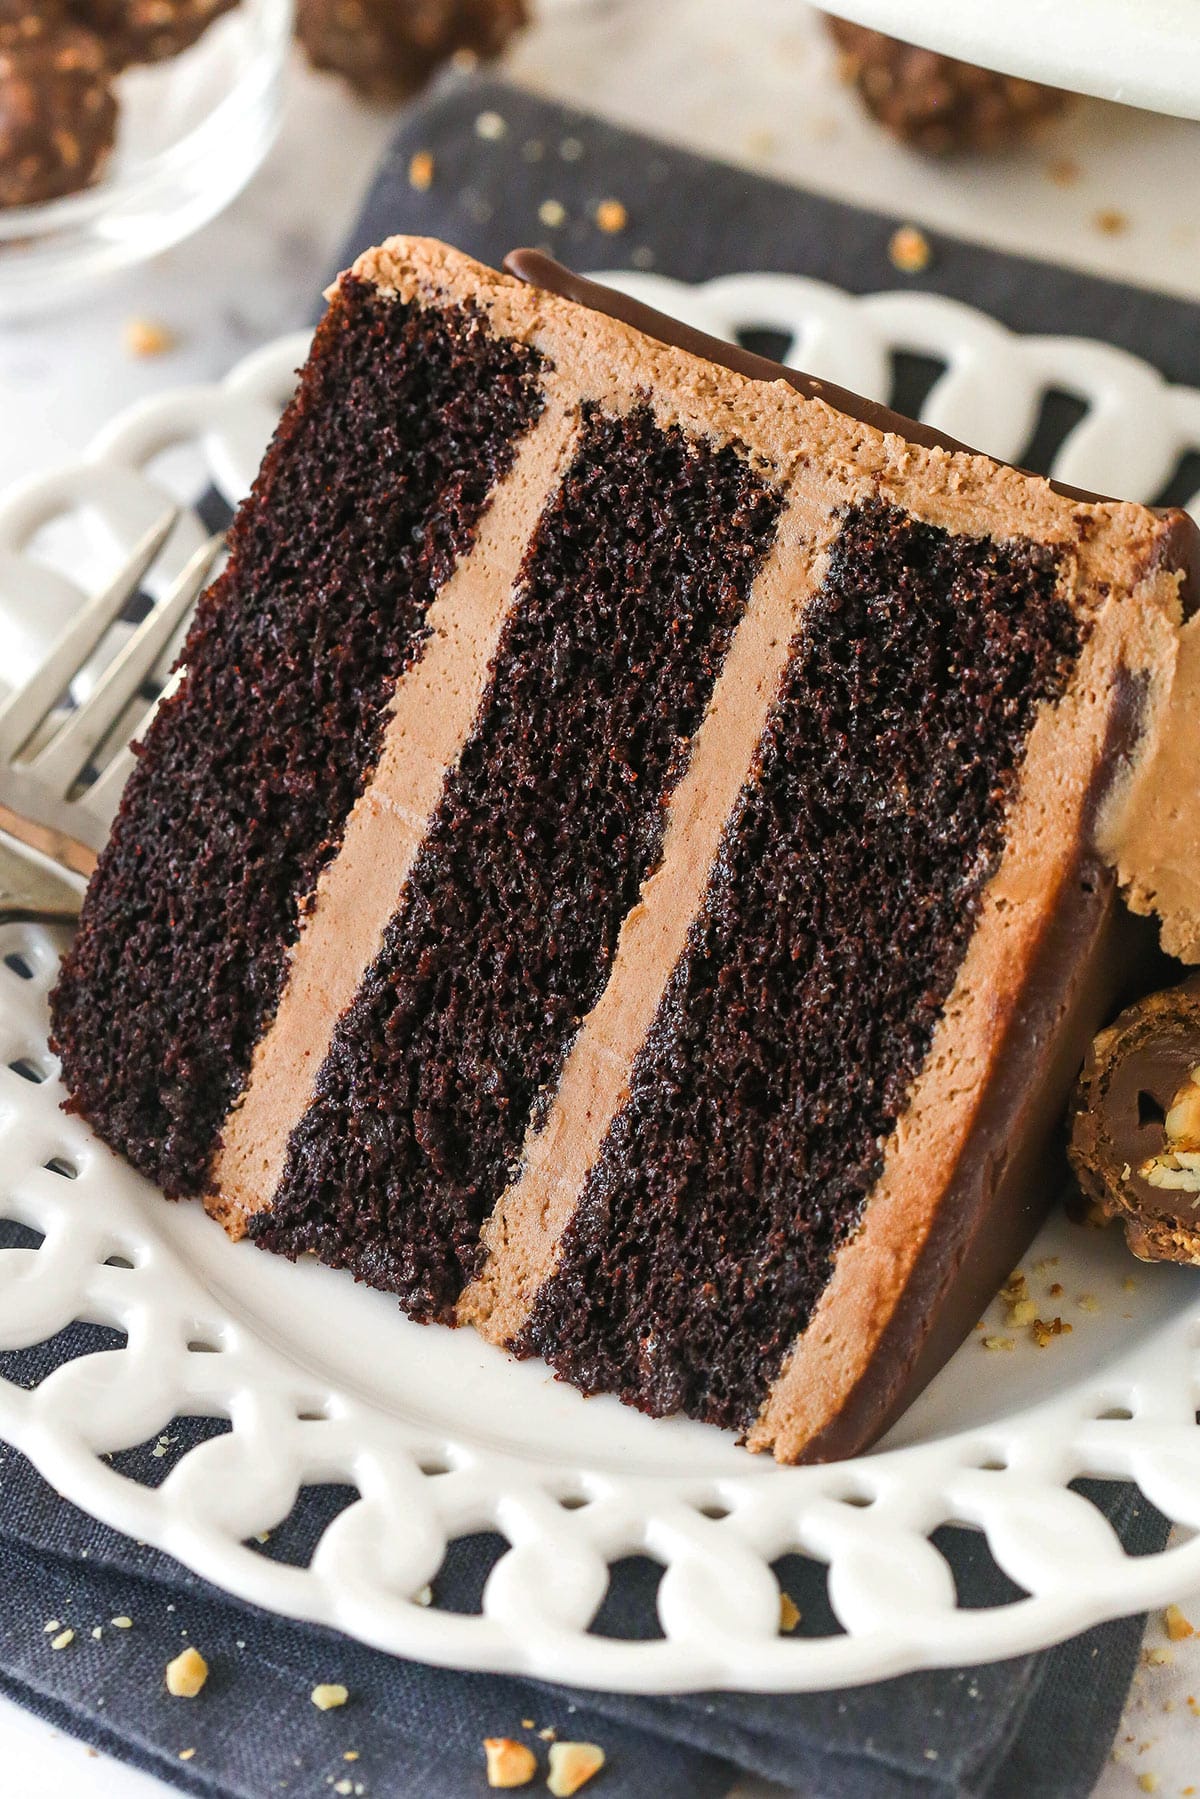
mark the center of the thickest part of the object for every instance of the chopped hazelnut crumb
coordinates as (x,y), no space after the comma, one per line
(571,1766)
(1045,1329)
(1112,222)
(1063,171)
(548,1735)
(63,1638)
(1177,1626)
(424,1596)
(186,1674)
(1056,1290)
(420,171)
(51,1625)
(1023,1313)
(998,1343)
(97,1631)
(526,1723)
(343,1786)
(122,1623)
(328,1695)
(909,250)
(552,213)
(147,337)
(611,216)
(491,126)
(509,1764)
(350,1755)
(1159,1658)
(789,1612)
(1129,1284)
(185,1755)
(1149,1783)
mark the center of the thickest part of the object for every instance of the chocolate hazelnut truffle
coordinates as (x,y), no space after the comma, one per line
(935,103)
(387,52)
(1135,1131)
(58,115)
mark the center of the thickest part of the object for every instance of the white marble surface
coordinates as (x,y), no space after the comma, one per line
(751,83)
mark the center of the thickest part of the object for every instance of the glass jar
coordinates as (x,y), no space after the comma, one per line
(191,132)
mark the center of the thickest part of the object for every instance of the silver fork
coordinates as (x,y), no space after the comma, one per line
(51,826)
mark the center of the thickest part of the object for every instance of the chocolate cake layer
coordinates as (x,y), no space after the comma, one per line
(361,509)
(634,581)
(845,892)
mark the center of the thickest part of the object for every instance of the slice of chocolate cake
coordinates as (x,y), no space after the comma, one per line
(631,861)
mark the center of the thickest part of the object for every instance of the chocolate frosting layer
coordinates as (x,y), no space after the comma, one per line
(1178,547)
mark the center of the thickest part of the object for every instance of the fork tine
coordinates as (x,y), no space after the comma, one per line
(101,799)
(21,715)
(65,755)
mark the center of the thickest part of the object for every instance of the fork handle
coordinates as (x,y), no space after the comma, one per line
(30,890)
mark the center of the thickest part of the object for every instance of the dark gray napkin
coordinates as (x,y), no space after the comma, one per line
(1036,1727)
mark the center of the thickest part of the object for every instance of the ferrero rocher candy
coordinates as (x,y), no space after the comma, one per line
(148,30)
(1135,1129)
(387,51)
(21,21)
(936,103)
(58,116)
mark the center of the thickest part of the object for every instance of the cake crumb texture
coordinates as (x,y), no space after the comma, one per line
(840,908)
(633,584)
(405,420)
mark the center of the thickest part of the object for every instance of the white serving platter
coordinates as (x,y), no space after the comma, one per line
(1139,52)
(323,1382)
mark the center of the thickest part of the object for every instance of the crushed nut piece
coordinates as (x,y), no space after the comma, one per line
(909,250)
(1149,1783)
(789,1612)
(350,1755)
(186,1674)
(1023,1313)
(51,1625)
(999,1343)
(62,1639)
(548,1735)
(1177,1166)
(424,1597)
(1063,171)
(148,337)
(1177,1626)
(1112,222)
(491,125)
(509,1764)
(611,216)
(571,1766)
(420,171)
(328,1695)
(1056,1290)
(97,1632)
(343,1786)
(122,1623)
(1044,1329)
(185,1755)
(1159,1658)
(552,213)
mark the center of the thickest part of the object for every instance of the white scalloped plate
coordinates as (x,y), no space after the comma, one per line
(325,1382)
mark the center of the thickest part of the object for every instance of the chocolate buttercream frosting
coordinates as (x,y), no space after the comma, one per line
(1181,549)
(1135,1134)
